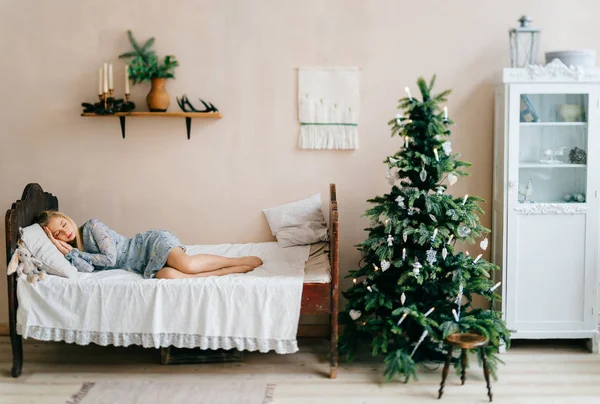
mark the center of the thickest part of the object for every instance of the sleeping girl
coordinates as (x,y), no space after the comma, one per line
(152,254)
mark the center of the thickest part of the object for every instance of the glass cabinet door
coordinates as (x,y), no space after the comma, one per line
(553,148)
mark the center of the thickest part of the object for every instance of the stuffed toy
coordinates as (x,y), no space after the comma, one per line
(26,266)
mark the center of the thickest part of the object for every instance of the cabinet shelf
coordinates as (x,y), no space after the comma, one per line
(187,115)
(542,165)
(553,123)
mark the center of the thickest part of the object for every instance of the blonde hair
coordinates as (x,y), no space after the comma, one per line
(45,217)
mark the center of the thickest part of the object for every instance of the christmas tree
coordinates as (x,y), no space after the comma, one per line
(412,288)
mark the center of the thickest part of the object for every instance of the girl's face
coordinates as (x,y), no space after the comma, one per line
(62,229)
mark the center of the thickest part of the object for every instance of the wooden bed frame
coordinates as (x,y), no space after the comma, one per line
(317,298)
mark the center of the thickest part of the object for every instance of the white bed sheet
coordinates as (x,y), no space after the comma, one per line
(254,311)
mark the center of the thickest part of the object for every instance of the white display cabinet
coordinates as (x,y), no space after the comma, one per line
(545,200)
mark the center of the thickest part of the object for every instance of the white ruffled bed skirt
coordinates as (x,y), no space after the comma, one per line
(257,311)
(157,340)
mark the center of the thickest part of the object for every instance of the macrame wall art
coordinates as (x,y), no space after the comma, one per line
(328,107)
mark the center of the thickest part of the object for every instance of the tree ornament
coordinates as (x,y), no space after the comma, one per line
(463,231)
(452,179)
(400,201)
(431,256)
(465,199)
(402,318)
(440,190)
(429,312)
(423,174)
(417,268)
(432,217)
(444,253)
(390,240)
(411,211)
(435,232)
(402,298)
(369,289)
(385,265)
(408,93)
(375,268)
(403,254)
(355,314)
(477,259)
(406,142)
(455,314)
(484,244)
(419,342)
(435,153)
(398,119)
(447,146)
(405,237)
(392,160)
(495,286)
(450,238)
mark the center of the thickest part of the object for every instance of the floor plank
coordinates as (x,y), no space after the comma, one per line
(535,372)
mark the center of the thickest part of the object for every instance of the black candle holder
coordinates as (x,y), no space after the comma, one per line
(108,105)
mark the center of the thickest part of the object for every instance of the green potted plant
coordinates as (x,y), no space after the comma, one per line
(146,67)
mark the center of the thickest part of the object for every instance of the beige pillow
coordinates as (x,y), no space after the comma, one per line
(298,223)
(54,263)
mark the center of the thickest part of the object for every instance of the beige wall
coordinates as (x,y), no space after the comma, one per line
(242,56)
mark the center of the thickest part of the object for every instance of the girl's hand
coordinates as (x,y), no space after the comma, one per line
(57,243)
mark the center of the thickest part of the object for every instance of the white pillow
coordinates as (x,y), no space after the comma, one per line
(54,263)
(298,223)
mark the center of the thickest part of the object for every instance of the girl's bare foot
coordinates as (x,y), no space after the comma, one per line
(254,262)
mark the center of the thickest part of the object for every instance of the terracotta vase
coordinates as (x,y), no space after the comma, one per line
(158,99)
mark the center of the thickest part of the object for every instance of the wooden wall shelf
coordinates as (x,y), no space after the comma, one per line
(187,115)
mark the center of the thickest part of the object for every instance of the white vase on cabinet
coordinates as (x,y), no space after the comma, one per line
(547,247)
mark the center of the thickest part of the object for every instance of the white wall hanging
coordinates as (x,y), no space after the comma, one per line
(328,107)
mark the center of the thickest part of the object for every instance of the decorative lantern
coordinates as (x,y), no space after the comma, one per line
(524,44)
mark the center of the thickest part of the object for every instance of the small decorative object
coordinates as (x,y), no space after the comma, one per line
(328,107)
(431,256)
(108,106)
(26,266)
(526,191)
(423,174)
(577,156)
(463,231)
(550,154)
(567,197)
(385,265)
(417,268)
(390,240)
(524,43)
(576,57)
(355,314)
(400,201)
(579,197)
(444,253)
(528,113)
(452,179)
(571,113)
(402,298)
(146,67)
(484,244)
(447,146)
(186,106)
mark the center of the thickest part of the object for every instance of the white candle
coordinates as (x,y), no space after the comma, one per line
(403,254)
(429,311)
(406,142)
(408,93)
(110,77)
(477,259)
(446,113)
(495,286)
(435,232)
(435,152)
(126,79)
(455,314)
(465,198)
(450,238)
(402,318)
(105,85)
(100,81)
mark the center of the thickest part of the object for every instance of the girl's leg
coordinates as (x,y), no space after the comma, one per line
(194,264)
(172,273)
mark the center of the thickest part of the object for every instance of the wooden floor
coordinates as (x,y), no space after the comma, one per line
(556,372)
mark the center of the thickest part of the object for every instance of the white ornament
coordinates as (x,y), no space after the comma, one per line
(403,254)
(447,146)
(455,314)
(477,259)
(484,244)
(406,142)
(405,237)
(398,121)
(417,268)
(440,190)
(400,201)
(419,342)
(423,174)
(403,298)
(435,232)
(390,240)
(432,217)
(465,198)
(431,256)
(392,160)
(355,314)
(463,231)
(385,265)
(435,152)
(444,253)
(495,286)
(452,179)
(411,211)
(408,93)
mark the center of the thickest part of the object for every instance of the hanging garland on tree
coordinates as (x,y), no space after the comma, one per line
(424,289)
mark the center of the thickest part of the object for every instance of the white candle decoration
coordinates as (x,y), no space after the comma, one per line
(398,120)
(446,113)
(369,289)
(354,280)
(110,77)
(435,232)
(429,311)
(467,254)
(465,198)
(450,238)
(419,342)
(477,259)
(105,79)
(375,267)
(406,142)
(405,237)
(403,254)
(435,152)
(402,318)
(408,93)
(496,286)
(100,81)
(455,314)
(126,79)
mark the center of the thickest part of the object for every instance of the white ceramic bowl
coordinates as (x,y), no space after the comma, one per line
(577,57)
